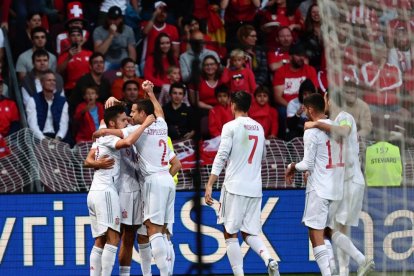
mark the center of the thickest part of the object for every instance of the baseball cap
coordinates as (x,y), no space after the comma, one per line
(159,4)
(75,30)
(114,12)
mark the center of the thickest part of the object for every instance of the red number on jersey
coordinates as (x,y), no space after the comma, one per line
(330,163)
(255,138)
(162,143)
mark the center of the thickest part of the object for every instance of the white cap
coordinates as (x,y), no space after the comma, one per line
(159,4)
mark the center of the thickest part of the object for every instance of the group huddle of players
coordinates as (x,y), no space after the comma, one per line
(133,189)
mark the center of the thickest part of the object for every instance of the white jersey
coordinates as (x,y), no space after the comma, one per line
(243,146)
(324,161)
(152,147)
(103,178)
(353,166)
(129,171)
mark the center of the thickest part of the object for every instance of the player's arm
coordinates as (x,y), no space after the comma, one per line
(134,136)
(222,155)
(175,166)
(104,162)
(343,130)
(149,89)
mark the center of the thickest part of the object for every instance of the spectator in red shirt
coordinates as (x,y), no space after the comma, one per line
(236,14)
(287,80)
(154,27)
(74,63)
(282,13)
(9,119)
(211,78)
(158,62)
(280,56)
(237,76)
(263,113)
(88,115)
(128,73)
(220,113)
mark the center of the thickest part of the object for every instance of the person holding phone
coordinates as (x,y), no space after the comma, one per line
(74,62)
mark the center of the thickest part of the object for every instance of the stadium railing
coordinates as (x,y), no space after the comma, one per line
(60,168)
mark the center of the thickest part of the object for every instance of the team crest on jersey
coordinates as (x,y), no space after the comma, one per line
(117,221)
(124,214)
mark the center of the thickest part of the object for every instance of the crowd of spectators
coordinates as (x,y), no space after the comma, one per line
(70,56)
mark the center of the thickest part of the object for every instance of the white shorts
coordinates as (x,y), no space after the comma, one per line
(131,207)
(104,211)
(240,213)
(159,191)
(317,214)
(349,208)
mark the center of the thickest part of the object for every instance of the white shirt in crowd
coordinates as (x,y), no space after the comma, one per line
(34,126)
(242,146)
(324,160)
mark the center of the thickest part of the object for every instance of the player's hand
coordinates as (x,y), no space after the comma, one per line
(98,133)
(149,120)
(148,87)
(305,177)
(208,196)
(289,175)
(105,162)
(111,102)
(309,124)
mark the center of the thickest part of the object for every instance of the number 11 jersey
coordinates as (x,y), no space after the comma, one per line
(243,147)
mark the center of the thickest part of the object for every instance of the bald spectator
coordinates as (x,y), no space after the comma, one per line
(48,110)
(196,54)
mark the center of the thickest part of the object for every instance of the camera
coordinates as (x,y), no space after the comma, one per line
(74,45)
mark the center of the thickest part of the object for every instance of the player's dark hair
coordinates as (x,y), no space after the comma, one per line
(222,89)
(128,82)
(178,85)
(306,86)
(146,106)
(315,101)
(242,100)
(111,113)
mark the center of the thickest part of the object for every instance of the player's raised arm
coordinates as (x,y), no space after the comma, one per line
(134,136)
(104,162)
(148,88)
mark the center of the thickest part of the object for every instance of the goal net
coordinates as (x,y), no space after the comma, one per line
(368,47)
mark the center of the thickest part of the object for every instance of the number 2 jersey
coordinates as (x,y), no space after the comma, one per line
(243,147)
(152,148)
(323,158)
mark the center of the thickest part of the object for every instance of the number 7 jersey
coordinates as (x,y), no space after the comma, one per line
(243,147)
(152,148)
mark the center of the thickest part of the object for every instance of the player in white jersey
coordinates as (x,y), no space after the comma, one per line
(103,199)
(242,146)
(323,160)
(159,187)
(129,198)
(347,210)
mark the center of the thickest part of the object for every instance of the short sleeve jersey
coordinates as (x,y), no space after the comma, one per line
(152,147)
(242,146)
(103,178)
(323,159)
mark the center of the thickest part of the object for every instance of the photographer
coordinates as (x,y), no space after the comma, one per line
(74,62)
